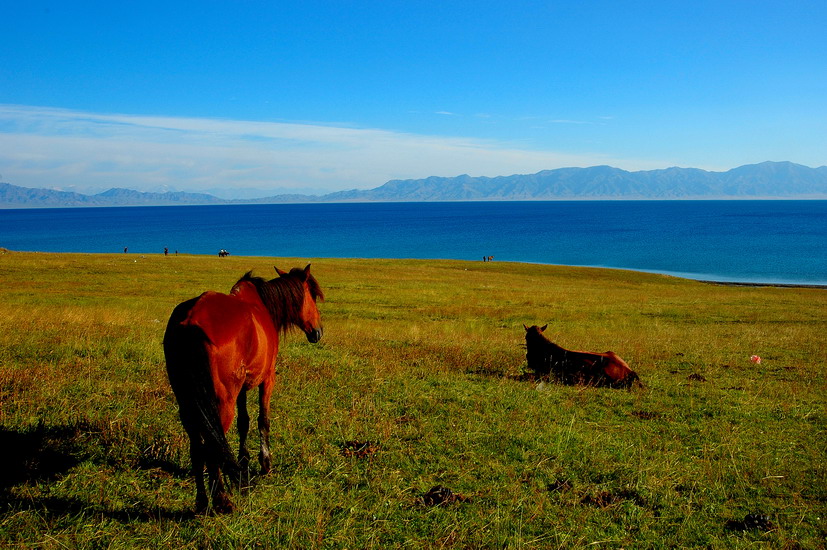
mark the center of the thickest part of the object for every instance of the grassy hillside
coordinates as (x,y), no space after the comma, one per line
(417,384)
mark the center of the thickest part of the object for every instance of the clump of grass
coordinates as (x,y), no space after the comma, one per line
(421,365)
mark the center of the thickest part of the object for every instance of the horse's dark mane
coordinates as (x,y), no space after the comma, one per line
(283,296)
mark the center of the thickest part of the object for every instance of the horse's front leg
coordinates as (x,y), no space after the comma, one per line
(243,424)
(264,392)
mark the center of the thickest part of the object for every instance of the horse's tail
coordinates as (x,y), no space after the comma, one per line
(189,373)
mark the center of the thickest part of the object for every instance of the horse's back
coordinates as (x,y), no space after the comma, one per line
(208,309)
(222,317)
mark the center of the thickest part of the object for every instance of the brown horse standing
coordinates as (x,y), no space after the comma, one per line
(218,346)
(575,367)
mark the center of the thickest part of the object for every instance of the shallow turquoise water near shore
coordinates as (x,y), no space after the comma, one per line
(750,241)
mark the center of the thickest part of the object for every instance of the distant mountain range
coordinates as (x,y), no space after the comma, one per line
(765,180)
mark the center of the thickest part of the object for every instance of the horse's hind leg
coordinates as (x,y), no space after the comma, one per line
(197,457)
(198,453)
(243,424)
(264,392)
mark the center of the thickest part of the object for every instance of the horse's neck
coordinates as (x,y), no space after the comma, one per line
(551,348)
(557,351)
(544,345)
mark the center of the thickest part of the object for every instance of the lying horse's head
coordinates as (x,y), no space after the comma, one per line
(534,333)
(537,349)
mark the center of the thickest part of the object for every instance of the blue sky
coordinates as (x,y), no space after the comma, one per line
(320,96)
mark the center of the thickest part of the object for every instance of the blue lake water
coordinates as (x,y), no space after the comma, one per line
(750,241)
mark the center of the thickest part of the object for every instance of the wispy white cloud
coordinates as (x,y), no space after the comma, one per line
(48,147)
(566,121)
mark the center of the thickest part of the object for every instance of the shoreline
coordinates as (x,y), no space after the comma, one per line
(699,278)
(775,285)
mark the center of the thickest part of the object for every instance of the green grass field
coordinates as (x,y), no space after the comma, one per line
(417,383)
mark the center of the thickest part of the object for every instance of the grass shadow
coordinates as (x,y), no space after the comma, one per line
(67,506)
(45,453)
(505,372)
(38,454)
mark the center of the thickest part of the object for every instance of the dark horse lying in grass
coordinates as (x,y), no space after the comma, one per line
(544,357)
(218,346)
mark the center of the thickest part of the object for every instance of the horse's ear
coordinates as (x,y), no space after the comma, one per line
(307,270)
(543,328)
(280,272)
(525,327)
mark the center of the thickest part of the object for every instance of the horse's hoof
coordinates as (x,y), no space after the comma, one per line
(223,505)
(202,505)
(265,465)
(246,483)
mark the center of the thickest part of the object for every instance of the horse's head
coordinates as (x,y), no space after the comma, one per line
(534,333)
(536,347)
(310,320)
